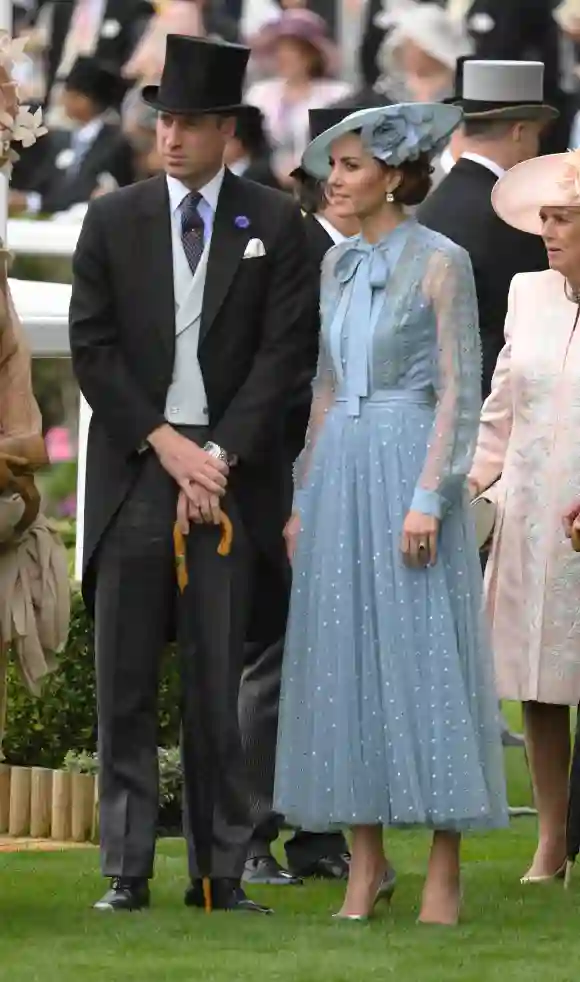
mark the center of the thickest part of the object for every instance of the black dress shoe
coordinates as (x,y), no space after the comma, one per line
(326,868)
(125,894)
(266,871)
(225,895)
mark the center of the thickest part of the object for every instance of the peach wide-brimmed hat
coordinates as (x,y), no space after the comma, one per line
(552,181)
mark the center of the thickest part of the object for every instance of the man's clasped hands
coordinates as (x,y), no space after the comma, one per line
(202,478)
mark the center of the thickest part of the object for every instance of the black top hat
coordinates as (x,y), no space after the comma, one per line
(320,120)
(199,76)
(96,80)
(486,88)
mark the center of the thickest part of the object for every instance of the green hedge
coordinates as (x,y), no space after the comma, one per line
(41,732)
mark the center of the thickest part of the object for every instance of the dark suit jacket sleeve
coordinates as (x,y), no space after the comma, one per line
(371,42)
(121,167)
(259,406)
(103,375)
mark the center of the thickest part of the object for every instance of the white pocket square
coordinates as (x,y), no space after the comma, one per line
(110,29)
(481,23)
(254,249)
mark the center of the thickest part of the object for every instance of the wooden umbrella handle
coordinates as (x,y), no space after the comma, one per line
(180,559)
(225,545)
(224,548)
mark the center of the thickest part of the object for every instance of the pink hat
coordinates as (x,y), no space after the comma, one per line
(543,182)
(303,25)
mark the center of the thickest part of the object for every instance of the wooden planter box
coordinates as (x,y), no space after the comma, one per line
(38,803)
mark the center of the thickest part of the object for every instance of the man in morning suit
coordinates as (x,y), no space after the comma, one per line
(308,854)
(504,116)
(522,30)
(189,322)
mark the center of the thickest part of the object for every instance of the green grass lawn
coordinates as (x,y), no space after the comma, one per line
(508,932)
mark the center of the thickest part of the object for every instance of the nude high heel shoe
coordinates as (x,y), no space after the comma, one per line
(560,874)
(384,893)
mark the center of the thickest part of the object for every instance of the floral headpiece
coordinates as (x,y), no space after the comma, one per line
(17,123)
(403,134)
(392,134)
(570,183)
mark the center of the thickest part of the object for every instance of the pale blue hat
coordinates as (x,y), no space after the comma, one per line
(392,134)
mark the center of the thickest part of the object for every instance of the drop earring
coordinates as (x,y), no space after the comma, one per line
(390,197)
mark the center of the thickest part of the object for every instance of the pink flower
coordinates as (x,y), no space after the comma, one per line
(58,445)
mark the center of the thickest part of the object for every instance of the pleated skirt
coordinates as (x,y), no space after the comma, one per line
(388,710)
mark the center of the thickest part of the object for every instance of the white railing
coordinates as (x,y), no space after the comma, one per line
(43,311)
(56,239)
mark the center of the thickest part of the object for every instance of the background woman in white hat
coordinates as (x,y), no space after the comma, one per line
(528,444)
(418,57)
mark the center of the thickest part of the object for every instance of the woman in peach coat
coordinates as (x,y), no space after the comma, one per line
(528,444)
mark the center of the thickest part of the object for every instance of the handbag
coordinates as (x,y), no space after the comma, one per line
(19,497)
(484,513)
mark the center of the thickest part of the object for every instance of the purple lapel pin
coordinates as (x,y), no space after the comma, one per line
(242,221)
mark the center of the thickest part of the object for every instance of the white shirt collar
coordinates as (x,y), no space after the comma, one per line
(330,230)
(90,131)
(447,161)
(210,192)
(485,162)
(240,166)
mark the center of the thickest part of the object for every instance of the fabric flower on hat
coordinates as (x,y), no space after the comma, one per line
(571,182)
(404,133)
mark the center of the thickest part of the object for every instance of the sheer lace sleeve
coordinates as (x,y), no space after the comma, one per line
(450,287)
(497,414)
(323,386)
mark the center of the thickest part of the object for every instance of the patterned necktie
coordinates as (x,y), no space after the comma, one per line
(192,230)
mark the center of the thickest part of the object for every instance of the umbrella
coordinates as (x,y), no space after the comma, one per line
(573,819)
(196,725)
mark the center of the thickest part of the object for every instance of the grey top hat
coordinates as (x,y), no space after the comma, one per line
(487,89)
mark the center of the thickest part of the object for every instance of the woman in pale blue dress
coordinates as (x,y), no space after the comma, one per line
(388,713)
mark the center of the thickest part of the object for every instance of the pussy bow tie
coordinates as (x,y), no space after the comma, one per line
(378,267)
(356,332)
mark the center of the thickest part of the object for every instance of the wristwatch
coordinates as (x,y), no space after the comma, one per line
(214,450)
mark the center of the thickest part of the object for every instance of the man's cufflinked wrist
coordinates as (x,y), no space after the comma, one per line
(214,450)
(148,441)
